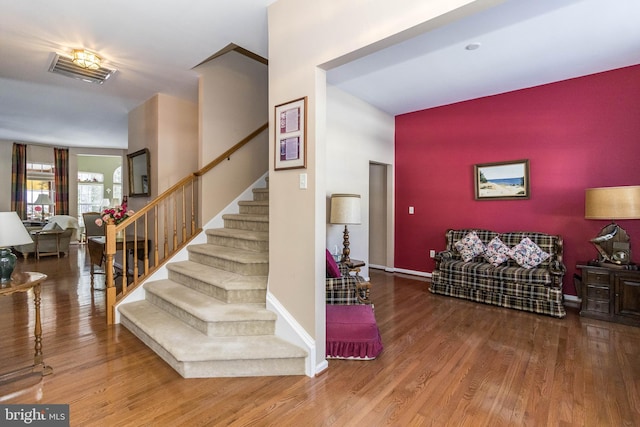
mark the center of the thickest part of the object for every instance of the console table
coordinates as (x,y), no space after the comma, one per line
(22,282)
(96,247)
(611,293)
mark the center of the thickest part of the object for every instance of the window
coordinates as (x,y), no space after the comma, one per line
(40,180)
(90,191)
(117,186)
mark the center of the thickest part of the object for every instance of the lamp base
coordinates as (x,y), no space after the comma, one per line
(613,245)
(7,264)
(345,243)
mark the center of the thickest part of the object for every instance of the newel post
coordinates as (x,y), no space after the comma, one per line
(110,251)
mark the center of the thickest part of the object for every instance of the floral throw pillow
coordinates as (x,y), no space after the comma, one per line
(497,252)
(470,246)
(527,254)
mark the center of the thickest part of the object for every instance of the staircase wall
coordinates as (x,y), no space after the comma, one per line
(233,99)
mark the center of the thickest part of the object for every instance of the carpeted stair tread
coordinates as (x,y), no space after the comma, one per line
(186,344)
(259,236)
(217,277)
(246,217)
(241,256)
(206,308)
(253,203)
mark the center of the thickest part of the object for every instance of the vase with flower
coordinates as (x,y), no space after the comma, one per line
(114,215)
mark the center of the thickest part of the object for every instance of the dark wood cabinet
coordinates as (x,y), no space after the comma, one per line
(610,293)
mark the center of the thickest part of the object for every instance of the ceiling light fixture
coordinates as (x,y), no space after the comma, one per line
(85,59)
(472,46)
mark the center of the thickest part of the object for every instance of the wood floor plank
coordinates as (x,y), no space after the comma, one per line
(445,362)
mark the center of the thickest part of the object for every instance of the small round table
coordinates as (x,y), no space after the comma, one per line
(22,282)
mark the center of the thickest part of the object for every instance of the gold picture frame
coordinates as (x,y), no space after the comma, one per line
(291,135)
(502,180)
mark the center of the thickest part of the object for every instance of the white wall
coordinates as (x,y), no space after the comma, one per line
(357,134)
(306,36)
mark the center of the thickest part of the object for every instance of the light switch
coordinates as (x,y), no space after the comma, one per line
(411,211)
(303,181)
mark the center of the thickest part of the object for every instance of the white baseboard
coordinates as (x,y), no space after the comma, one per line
(290,330)
(400,270)
(572,301)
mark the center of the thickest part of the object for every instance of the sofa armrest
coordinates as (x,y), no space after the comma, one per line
(347,290)
(557,268)
(443,256)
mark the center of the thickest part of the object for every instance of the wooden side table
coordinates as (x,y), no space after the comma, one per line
(22,282)
(38,234)
(611,293)
(354,266)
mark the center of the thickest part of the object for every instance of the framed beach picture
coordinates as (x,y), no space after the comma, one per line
(291,135)
(502,180)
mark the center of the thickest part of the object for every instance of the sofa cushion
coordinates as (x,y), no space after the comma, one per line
(470,246)
(527,254)
(466,274)
(332,266)
(497,252)
(51,226)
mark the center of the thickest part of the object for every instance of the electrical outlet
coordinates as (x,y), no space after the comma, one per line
(432,253)
(303,181)
(411,210)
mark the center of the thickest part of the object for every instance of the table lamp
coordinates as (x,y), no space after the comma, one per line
(43,199)
(345,209)
(612,203)
(12,232)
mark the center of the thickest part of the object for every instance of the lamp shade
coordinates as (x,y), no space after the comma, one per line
(345,209)
(43,199)
(12,231)
(612,203)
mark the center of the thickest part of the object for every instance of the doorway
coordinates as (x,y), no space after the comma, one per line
(380,217)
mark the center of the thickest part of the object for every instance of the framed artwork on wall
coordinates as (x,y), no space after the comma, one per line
(291,135)
(502,180)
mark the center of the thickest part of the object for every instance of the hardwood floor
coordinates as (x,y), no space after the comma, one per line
(445,362)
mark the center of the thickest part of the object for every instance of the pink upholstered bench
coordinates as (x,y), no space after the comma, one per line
(352,332)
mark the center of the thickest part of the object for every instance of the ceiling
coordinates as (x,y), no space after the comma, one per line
(522,43)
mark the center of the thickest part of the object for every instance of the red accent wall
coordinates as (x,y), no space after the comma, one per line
(577,134)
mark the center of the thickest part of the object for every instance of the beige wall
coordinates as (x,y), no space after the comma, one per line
(303,36)
(177,141)
(233,103)
(168,127)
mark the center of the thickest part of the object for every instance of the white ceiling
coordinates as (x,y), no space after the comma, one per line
(153,46)
(523,43)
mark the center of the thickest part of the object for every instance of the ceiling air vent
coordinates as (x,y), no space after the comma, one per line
(63,65)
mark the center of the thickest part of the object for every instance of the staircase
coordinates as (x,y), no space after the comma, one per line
(208,319)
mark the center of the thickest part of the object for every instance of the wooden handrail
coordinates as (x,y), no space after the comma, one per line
(231,150)
(158,220)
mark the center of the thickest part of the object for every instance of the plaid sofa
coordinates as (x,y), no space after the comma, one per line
(538,289)
(347,289)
